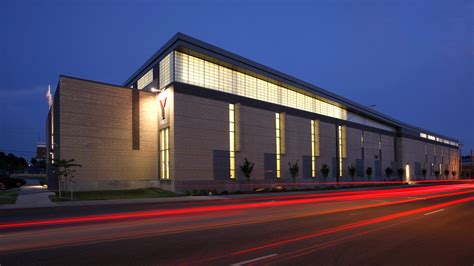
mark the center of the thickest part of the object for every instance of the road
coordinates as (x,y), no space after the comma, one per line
(415,225)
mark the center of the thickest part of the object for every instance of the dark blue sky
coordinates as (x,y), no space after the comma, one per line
(413,59)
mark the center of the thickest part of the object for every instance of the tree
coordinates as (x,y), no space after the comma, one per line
(388,172)
(65,169)
(423,172)
(11,163)
(352,171)
(294,170)
(34,161)
(247,169)
(400,172)
(325,171)
(454,173)
(446,174)
(368,172)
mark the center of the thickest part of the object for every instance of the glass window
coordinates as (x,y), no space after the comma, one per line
(145,80)
(232,139)
(165,153)
(196,71)
(341,134)
(278,143)
(314,145)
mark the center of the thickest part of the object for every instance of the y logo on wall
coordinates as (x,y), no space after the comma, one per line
(163,105)
(163,99)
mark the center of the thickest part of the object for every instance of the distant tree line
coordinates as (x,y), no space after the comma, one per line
(11,163)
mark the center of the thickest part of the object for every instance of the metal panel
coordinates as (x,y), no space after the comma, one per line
(360,172)
(269,162)
(221,165)
(306,166)
(378,168)
(135,119)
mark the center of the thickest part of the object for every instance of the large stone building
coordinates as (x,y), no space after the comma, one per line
(193,112)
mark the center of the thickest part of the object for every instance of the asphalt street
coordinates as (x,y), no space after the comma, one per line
(425,225)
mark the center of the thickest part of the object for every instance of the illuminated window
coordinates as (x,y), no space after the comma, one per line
(423,135)
(341,135)
(195,71)
(145,80)
(166,70)
(52,134)
(165,153)
(407,172)
(278,145)
(232,139)
(314,145)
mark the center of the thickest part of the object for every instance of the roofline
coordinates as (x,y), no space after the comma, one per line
(183,40)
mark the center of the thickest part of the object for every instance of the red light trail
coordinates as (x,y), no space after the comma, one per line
(337,196)
(359,224)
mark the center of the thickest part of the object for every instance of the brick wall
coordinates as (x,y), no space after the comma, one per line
(96,131)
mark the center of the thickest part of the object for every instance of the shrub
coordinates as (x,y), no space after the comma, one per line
(446,173)
(325,171)
(423,172)
(352,171)
(400,172)
(368,172)
(388,172)
(454,173)
(247,169)
(294,170)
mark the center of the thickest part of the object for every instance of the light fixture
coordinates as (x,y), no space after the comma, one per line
(153,89)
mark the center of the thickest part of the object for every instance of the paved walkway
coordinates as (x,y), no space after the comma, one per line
(31,196)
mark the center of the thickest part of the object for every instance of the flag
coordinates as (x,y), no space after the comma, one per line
(49,97)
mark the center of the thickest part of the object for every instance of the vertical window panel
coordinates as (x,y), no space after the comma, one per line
(145,80)
(278,143)
(314,145)
(232,140)
(164,154)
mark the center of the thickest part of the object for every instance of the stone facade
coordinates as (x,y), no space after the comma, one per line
(421,155)
(95,129)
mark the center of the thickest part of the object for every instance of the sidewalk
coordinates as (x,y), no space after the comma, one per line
(31,196)
(38,197)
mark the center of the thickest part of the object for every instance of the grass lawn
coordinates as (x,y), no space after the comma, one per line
(116,194)
(9,196)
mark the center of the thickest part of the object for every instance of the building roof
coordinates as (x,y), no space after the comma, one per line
(182,41)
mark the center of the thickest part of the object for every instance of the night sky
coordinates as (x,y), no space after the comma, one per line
(413,59)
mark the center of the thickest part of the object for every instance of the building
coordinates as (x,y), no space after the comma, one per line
(467,166)
(41,151)
(193,112)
